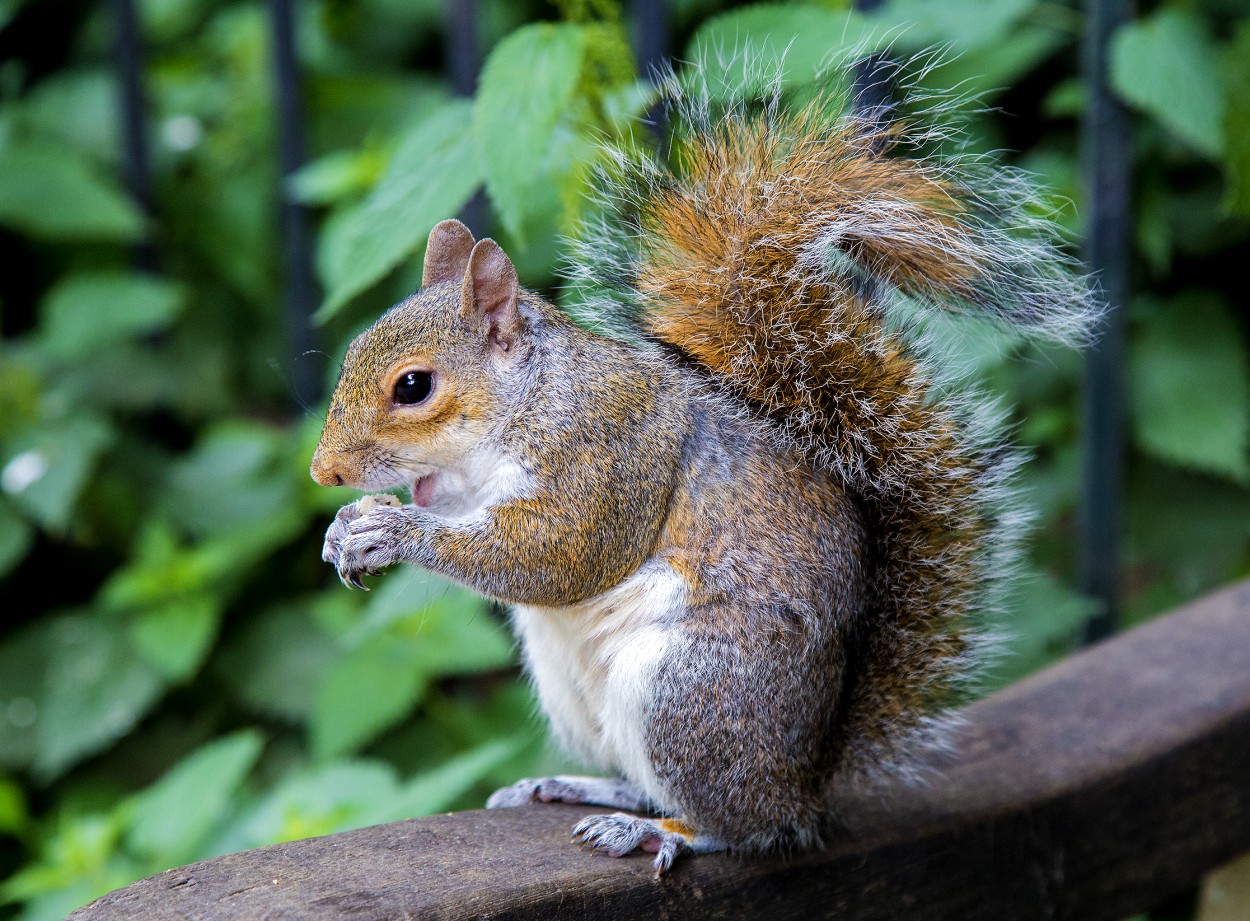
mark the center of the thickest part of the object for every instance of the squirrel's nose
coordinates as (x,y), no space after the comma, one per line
(324,472)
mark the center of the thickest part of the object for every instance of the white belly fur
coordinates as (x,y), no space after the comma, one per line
(593,664)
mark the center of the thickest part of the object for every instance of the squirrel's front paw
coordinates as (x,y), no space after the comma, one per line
(366,541)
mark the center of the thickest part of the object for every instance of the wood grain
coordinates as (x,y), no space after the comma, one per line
(1088,791)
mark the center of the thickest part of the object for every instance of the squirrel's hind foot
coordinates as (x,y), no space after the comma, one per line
(620,834)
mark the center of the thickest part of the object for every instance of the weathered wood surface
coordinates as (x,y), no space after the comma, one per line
(1089,791)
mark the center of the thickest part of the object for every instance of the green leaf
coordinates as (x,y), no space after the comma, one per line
(415,627)
(78,860)
(962,26)
(23,660)
(1237,121)
(275,663)
(317,801)
(14,816)
(16,536)
(235,484)
(172,818)
(86,312)
(1190,387)
(433,173)
(368,691)
(1190,531)
(336,176)
(176,636)
(49,192)
(446,629)
(96,690)
(49,466)
(737,48)
(440,787)
(1167,66)
(78,109)
(1044,622)
(526,85)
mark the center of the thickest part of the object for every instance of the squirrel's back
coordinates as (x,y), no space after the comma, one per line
(795,255)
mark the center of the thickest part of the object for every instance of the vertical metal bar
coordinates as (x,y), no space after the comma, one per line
(300,286)
(1108,153)
(128,54)
(463,62)
(874,79)
(653,35)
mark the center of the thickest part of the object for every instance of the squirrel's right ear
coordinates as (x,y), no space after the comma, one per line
(446,253)
(488,295)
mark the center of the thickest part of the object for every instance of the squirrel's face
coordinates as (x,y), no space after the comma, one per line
(429,381)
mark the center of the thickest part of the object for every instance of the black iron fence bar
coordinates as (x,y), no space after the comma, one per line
(300,286)
(1108,157)
(652,34)
(463,60)
(132,109)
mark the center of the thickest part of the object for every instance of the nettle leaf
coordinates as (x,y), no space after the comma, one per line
(1191,529)
(1167,65)
(16,536)
(235,483)
(315,801)
(276,661)
(77,108)
(526,85)
(367,692)
(433,173)
(1190,386)
(49,466)
(171,818)
(94,690)
(1237,121)
(440,787)
(923,24)
(14,816)
(404,596)
(336,176)
(176,636)
(1043,622)
(23,660)
(83,313)
(799,40)
(447,630)
(416,627)
(52,193)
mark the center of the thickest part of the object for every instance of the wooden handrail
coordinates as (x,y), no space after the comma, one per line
(1089,791)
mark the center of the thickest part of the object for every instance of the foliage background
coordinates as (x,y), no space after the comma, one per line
(191,679)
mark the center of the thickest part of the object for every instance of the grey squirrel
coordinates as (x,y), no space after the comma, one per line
(743,537)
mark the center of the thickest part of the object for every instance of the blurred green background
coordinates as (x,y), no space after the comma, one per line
(180,675)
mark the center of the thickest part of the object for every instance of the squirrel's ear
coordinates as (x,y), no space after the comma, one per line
(446,253)
(488,297)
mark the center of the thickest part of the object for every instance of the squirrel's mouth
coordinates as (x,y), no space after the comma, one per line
(423,490)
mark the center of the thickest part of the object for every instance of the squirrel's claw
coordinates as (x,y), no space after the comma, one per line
(620,834)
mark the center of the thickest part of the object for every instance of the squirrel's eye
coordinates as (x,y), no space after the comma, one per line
(414,387)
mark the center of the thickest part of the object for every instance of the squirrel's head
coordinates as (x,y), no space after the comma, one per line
(429,380)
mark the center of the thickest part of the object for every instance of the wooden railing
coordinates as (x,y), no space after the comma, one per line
(1089,791)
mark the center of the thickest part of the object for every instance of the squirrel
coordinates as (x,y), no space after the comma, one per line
(747,530)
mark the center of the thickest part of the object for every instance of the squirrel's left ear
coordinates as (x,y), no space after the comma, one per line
(488,297)
(446,253)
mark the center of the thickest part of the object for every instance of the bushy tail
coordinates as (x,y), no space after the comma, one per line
(794,252)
